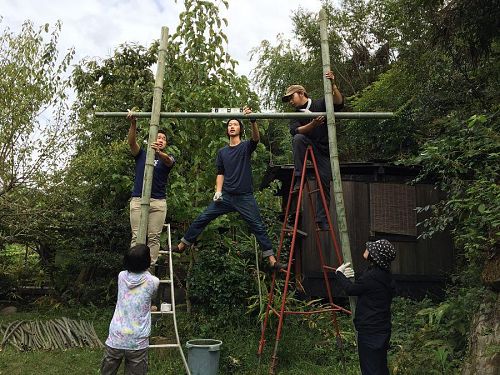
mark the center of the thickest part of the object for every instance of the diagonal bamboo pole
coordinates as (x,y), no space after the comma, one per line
(334,154)
(153,132)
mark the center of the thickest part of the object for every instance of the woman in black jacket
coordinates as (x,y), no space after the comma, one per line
(375,289)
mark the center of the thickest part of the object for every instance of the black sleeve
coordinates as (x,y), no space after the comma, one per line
(219,164)
(141,150)
(294,124)
(320,106)
(357,288)
(252,146)
(339,107)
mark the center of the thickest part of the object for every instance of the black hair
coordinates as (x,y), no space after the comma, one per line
(137,259)
(242,128)
(164,132)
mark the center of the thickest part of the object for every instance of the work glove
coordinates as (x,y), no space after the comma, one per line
(345,268)
(218,196)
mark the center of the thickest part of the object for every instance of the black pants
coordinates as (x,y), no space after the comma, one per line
(372,351)
(300,143)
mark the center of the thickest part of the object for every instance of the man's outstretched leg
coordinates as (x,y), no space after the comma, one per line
(247,207)
(212,212)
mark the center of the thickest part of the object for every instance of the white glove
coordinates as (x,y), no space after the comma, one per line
(218,196)
(346,269)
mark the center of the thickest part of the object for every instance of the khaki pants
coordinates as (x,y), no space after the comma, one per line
(157,214)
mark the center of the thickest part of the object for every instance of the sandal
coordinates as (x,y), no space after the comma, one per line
(177,250)
(277,266)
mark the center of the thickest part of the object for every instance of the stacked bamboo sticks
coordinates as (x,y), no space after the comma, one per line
(53,334)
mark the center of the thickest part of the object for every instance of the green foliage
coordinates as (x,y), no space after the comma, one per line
(219,281)
(435,64)
(96,186)
(435,341)
(465,162)
(33,125)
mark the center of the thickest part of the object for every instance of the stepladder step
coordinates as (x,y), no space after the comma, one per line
(289,229)
(161,312)
(164,346)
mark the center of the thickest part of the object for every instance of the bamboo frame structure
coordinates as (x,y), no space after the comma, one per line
(153,133)
(258,116)
(334,153)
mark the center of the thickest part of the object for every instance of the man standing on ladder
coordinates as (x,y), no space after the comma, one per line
(313,133)
(163,164)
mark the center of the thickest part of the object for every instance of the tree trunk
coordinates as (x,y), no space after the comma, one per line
(484,357)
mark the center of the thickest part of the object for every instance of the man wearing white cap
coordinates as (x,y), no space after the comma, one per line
(313,133)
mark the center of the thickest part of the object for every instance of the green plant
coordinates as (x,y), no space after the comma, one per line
(465,162)
(434,340)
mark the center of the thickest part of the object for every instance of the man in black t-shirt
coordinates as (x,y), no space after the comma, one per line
(313,133)
(234,190)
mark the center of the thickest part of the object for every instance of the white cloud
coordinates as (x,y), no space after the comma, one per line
(96,27)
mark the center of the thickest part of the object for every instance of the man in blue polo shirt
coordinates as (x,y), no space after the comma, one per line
(234,190)
(158,205)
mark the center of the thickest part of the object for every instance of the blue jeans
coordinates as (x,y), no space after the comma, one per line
(246,206)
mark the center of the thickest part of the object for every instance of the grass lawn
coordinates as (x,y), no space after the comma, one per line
(303,350)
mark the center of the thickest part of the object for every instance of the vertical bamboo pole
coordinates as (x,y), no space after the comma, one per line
(332,142)
(153,132)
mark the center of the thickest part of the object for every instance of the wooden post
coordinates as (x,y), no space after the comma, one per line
(153,132)
(334,154)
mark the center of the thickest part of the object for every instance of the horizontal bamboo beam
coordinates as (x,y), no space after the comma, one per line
(239,115)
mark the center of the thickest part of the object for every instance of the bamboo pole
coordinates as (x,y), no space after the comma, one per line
(258,116)
(153,132)
(334,154)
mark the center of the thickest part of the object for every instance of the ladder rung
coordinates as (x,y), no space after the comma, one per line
(290,230)
(165,281)
(275,311)
(165,346)
(322,229)
(336,308)
(313,191)
(164,251)
(161,312)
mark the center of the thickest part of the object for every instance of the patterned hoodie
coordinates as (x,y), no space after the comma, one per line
(131,324)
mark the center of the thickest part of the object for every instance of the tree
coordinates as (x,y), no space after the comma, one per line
(33,124)
(93,227)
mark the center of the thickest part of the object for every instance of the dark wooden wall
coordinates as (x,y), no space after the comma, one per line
(379,203)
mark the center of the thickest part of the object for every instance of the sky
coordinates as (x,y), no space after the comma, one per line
(96,27)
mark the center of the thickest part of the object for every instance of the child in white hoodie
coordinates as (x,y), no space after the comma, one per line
(130,326)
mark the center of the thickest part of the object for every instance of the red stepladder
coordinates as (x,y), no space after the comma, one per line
(294,232)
